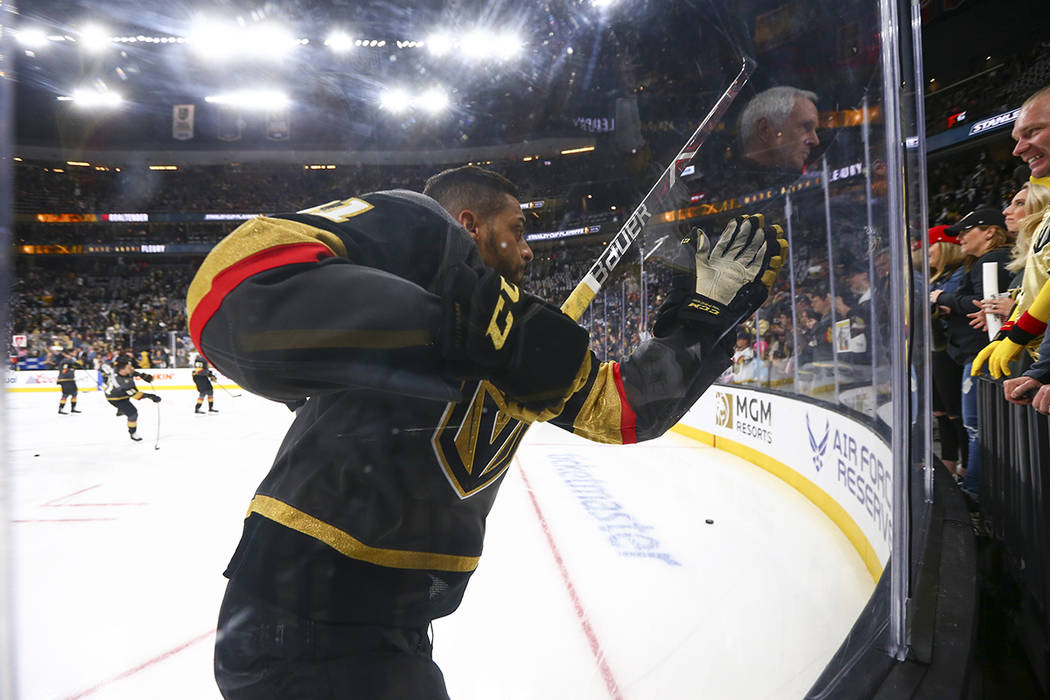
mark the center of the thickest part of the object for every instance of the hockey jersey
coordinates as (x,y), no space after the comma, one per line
(118,387)
(374,508)
(67,372)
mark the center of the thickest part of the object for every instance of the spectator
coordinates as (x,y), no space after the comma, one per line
(982,235)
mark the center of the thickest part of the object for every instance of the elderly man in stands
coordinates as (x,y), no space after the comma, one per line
(778,128)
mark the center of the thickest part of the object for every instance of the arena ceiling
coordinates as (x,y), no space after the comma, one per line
(109,74)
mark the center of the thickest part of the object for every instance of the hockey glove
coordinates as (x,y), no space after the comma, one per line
(152,397)
(527,348)
(715,288)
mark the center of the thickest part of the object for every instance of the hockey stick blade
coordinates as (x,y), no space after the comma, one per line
(581,297)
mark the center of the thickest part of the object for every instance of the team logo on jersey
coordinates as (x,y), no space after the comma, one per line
(475,441)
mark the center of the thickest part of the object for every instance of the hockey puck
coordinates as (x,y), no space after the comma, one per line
(709,521)
(36,455)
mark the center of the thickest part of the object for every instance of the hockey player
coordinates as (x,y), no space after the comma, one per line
(398,318)
(121,389)
(202,377)
(67,380)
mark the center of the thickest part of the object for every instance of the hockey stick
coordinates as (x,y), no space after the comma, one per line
(156,443)
(232,395)
(581,297)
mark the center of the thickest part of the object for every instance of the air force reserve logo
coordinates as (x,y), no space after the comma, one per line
(724,410)
(819,447)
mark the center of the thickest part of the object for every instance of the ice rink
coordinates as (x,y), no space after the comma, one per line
(720,581)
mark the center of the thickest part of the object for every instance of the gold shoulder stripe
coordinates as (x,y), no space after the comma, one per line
(249,238)
(340,541)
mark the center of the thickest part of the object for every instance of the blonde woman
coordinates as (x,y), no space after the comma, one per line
(1023,216)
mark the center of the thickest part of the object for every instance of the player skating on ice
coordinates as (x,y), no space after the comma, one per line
(121,389)
(202,377)
(67,380)
(399,319)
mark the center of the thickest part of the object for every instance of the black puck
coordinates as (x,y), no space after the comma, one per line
(709,521)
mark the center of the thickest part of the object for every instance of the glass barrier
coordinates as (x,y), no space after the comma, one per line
(816,143)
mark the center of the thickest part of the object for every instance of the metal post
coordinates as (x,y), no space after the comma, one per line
(927,331)
(791,280)
(873,338)
(825,183)
(900,286)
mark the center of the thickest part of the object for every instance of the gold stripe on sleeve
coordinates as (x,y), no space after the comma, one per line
(342,542)
(251,237)
(599,418)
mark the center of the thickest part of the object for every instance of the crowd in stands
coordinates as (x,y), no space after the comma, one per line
(93,309)
(1002,84)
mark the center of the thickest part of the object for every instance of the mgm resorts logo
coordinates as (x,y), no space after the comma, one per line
(750,416)
(724,410)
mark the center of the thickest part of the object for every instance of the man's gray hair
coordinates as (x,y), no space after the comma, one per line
(774,105)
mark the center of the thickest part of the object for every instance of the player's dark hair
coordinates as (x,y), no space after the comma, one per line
(470,187)
(121,363)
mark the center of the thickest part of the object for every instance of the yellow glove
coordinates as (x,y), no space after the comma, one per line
(999,354)
(982,357)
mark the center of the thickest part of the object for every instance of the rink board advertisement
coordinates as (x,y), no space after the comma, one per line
(89,380)
(839,464)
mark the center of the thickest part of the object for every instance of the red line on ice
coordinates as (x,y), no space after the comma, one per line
(585,623)
(53,501)
(142,666)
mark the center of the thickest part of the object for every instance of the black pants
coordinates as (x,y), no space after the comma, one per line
(126,408)
(265,653)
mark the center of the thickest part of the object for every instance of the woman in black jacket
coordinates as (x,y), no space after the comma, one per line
(982,235)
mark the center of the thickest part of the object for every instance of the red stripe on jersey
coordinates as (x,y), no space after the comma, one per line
(1030,324)
(227,280)
(628,421)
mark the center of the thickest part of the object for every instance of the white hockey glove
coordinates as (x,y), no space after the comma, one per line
(717,287)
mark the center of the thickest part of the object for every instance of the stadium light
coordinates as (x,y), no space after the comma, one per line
(434,100)
(251,99)
(85,98)
(31,37)
(439,44)
(340,42)
(477,45)
(395,100)
(220,41)
(93,38)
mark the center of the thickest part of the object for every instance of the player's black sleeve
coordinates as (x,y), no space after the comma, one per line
(643,396)
(335,297)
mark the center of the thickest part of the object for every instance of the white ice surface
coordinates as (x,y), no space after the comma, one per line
(119,550)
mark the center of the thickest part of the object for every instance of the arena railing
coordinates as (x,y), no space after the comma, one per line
(1015,518)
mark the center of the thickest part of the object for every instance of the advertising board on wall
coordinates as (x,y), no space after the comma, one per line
(840,464)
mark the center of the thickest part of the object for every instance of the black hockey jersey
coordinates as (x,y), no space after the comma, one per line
(201,371)
(374,509)
(67,372)
(118,388)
